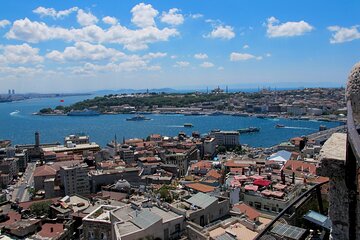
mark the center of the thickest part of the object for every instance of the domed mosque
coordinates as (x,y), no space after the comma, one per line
(122,185)
(353,91)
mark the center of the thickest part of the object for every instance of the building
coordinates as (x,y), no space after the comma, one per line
(226,138)
(202,209)
(180,158)
(209,147)
(77,139)
(132,222)
(75,179)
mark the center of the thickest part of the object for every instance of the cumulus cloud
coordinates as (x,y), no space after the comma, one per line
(201,56)
(110,20)
(207,65)
(182,64)
(235,56)
(85,51)
(173,17)
(143,15)
(4,23)
(222,32)
(287,29)
(138,39)
(19,54)
(86,19)
(343,34)
(51,12)
(196,15)
(246,46)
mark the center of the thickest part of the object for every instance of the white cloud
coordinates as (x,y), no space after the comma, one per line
(4,23)
(138,39)
(268,55)
(246,46)
(19,54)
(207,65)
(173,17)
(131,65)
(51,12)
(220,68)
(182,64)
(196,15)
(143,15)
(235,56)
(287,29)
(110,20)
(85,51)
(201,56)
(155,55)
(86,19)
(173,56)
(222,32)
(343,34)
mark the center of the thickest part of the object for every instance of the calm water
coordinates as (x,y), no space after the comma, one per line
(20,127)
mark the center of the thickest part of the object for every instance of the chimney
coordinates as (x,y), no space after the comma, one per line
(51,229)
(259,171)
(293,178)
(37,139)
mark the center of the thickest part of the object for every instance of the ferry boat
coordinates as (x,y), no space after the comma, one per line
(86,112)
(249,130)
(138,118)
(279,126)
(189,125)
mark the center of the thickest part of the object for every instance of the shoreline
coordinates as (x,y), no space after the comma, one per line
(213,114)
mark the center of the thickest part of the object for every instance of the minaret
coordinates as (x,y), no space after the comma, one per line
(115,145)
(37,139)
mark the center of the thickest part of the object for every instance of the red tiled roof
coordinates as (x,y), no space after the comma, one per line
(44,171)
(26,205)
(200,187)
(51,230)
(14,217)
(250,213)
(299,167)
(201,165)
(251,188)
(262,182)
(213,173)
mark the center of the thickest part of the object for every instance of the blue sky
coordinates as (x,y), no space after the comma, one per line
(72,46)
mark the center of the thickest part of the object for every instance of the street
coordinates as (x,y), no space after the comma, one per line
(20,189)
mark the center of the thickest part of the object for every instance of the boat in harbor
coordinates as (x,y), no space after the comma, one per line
(83,113)
(249,130)
(279,126)
(189,125)
(138,118)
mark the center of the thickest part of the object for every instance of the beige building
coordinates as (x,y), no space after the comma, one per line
(75,179)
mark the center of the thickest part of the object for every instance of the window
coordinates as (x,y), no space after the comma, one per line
(103,236)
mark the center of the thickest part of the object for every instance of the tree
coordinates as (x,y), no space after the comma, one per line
(221,149)
(40,208)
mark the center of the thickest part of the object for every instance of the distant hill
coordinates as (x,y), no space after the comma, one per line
(130,90)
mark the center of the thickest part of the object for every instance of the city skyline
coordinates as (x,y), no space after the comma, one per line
(85,46)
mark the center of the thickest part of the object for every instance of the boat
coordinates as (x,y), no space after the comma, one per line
(279,126)
(188,125)
(249,130)
(138,118)
(240,114)
(86,112)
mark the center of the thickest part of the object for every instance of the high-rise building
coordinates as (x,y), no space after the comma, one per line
(13,91)
(75,179)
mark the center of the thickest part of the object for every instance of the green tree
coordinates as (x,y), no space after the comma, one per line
(221,149)
(40,208)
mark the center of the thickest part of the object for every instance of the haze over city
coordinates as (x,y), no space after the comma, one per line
(77,46)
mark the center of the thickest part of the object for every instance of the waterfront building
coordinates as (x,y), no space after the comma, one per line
(226,138)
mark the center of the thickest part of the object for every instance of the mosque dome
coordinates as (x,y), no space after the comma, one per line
(121,185)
